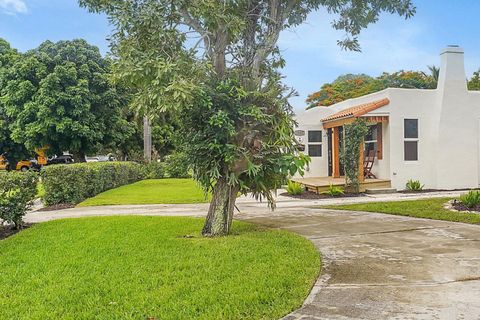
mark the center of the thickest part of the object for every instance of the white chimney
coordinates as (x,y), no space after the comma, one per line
(452,70)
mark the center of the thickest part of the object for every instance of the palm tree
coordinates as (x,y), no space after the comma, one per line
(434,72)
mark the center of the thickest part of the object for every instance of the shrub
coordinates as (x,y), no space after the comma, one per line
(17,192)
(73,183)
(177,166)
(294,188)
(334,191)
(414,185)
(471,199)
(154,170)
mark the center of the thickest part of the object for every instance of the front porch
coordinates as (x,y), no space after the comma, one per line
(322,184)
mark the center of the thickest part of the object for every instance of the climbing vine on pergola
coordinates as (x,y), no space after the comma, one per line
(355,133)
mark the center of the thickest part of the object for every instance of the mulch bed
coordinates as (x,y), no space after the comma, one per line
(60,206)
(460,207)
(419,191)
(309,195)
(7,231)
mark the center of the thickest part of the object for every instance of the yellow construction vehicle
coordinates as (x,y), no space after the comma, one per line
(25,165)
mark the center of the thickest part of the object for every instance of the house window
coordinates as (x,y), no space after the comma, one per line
(315,136)
(315,143)
(371,140)
(410,127)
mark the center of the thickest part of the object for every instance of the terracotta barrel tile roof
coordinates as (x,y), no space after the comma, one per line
(358,110)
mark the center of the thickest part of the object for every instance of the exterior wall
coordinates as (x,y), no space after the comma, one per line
(412,104)
(310,120)
(448,147)
(458,114)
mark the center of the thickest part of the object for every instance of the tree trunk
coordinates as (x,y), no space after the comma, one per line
(79,157)
(220,213)
(147,139)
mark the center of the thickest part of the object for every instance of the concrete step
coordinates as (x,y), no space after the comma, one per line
(381,191)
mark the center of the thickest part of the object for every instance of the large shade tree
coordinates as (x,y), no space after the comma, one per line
(217,63)
(10,149)
(356,85)
(59,96)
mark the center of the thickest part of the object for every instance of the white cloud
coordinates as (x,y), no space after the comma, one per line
(13,6)
(390,45)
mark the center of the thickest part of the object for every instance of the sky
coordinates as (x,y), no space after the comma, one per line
(310,50)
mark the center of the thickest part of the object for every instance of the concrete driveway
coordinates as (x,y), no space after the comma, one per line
(378,266)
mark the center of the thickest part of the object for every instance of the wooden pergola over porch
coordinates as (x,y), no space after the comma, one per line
(349,115)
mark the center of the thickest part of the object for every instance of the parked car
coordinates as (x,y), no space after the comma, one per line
(99,158)
(63,159)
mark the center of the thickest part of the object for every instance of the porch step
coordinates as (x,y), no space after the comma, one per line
(381,191)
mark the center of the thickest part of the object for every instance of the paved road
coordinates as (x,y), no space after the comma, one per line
(378,266)
(375,266)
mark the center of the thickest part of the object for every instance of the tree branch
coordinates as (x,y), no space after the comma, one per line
(197,26)
(278,17)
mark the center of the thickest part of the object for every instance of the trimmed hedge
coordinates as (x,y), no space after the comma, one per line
(174,166)
(17,192)
(154,170)
(73,183)
(177,166)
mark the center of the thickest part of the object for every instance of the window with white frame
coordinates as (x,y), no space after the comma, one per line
(315,143)
(410,143)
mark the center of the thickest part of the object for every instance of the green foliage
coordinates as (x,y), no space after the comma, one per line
(10,149)
(130,268)
(294,188)
(242,136)
(414,185)
(177,165)
(154,170)
(474,82)
(73,183)
(471,199)
(17,192)
(334,191)
(155,191)
(409,80)
(353,86)
(424,208)
(343,88)
(58,95)
(163,125)
(350,154)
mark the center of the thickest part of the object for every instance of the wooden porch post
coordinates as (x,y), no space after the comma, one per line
(336,152)
(361,175)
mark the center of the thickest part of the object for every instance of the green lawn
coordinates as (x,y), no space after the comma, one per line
(160,191)
(425,208)
(40,190)
(139,267)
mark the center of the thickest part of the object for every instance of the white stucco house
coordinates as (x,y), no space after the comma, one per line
(427,135)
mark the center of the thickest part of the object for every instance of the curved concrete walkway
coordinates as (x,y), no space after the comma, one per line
(375,266)
(378,266)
